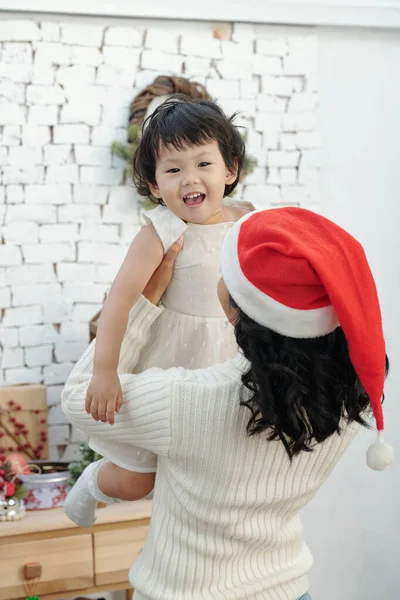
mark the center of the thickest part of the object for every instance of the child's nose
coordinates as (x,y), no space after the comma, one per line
(190,178)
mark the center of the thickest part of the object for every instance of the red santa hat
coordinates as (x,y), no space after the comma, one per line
(302,276)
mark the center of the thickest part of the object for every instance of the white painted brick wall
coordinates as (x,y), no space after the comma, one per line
(67,216)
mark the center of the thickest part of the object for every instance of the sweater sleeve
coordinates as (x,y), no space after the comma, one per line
(144,417)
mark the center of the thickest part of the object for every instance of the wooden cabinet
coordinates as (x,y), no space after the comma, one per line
(74,561)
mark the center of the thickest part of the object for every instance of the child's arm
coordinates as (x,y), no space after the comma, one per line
(144,256)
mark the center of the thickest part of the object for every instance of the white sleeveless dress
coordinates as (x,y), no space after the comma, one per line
(192,331)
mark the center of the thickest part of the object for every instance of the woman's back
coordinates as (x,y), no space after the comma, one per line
(225,519)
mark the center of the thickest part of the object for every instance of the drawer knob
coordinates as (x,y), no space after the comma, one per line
(32,571)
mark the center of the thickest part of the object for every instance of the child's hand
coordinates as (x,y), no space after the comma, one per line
(104,397)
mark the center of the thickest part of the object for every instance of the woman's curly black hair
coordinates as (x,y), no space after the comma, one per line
(301,390)
(179,122)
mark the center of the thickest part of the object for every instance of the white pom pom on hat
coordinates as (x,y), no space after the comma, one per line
(301,275)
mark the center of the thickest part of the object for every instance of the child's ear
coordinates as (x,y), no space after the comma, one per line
(231,174)
(154,190)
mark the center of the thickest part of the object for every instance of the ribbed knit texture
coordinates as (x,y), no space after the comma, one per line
(225,522)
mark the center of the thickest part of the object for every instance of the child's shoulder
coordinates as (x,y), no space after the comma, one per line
(236,209)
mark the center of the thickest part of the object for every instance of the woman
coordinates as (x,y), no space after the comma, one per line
(243,446)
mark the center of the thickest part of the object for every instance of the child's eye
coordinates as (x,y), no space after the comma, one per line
(175,170)
(204,164)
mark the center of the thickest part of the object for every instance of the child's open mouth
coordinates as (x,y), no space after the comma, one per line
(194,199)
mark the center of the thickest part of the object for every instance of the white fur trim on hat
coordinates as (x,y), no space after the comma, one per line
(263,309)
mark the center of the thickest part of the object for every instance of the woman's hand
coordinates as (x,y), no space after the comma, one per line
(162,276)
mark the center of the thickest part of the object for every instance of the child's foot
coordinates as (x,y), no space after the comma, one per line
(80,506)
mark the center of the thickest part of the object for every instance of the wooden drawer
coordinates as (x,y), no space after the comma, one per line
(67,564)
(115,552)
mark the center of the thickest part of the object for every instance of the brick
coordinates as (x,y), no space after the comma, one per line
(57,312)
(245,108)
(71,134)
(77,213)
(243,32)
(302,102)
(43,74)
(106,273)
(49,194)
(90,194)
(258,176)
(84,292)
(155,59)
(15,194)
(197,45)
(268,122)
(56,416)
(162,39)
(62,174)
(237,50)
(35,135)
(50,31)
(92,94)
(75,272)
(42,94)
(76,74)
(11,135)
(10,255)
(116,115)
(146,77)
(308,175)
(267,65)
(27,315)
(82,112)
(123,36)
(16,73)
(308,140)
(235,69)
(17,53)
(271,104)
(3,161)
(300,63)
(91,57)
(100,252)
(104,135)
(72,331)
(19,30)
(281,86)
(85,312)
(12,114)
(299,122)
(283,159)
(23,232)
(9,338)
(23,376)
(311,158)
(44,253)
(71,453)
(14,175)
(43,115)
(2,277)
(58,233)
(91,155)
(12,92)
(54,394)
(12,357)
(272,47)
(300,195)
(110,76)
(58,434)
(24,295)
(38,356)
(5,298)
(282,176)
(194,66)
(56,154)
(82,34)
(262,196)
(69,351)
(101,176)
(288,141)
(99,233)
(223,89)
(25,274)
(23,155)
(38,335)
(116,57)
(77,437)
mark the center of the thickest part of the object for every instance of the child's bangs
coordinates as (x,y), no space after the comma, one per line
(180,135)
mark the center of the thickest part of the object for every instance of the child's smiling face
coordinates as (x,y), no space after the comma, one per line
(191,182)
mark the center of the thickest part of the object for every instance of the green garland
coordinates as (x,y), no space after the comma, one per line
(76,468)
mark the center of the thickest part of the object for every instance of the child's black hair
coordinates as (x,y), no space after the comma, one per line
(300,391)
(179,122)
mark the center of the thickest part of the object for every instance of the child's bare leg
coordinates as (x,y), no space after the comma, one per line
(116,482)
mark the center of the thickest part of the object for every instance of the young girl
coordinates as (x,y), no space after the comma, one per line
(243,446)
(189,158)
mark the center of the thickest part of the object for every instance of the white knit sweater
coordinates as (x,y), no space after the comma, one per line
(225,522)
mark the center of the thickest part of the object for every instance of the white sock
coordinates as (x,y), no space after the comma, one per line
(81,502)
